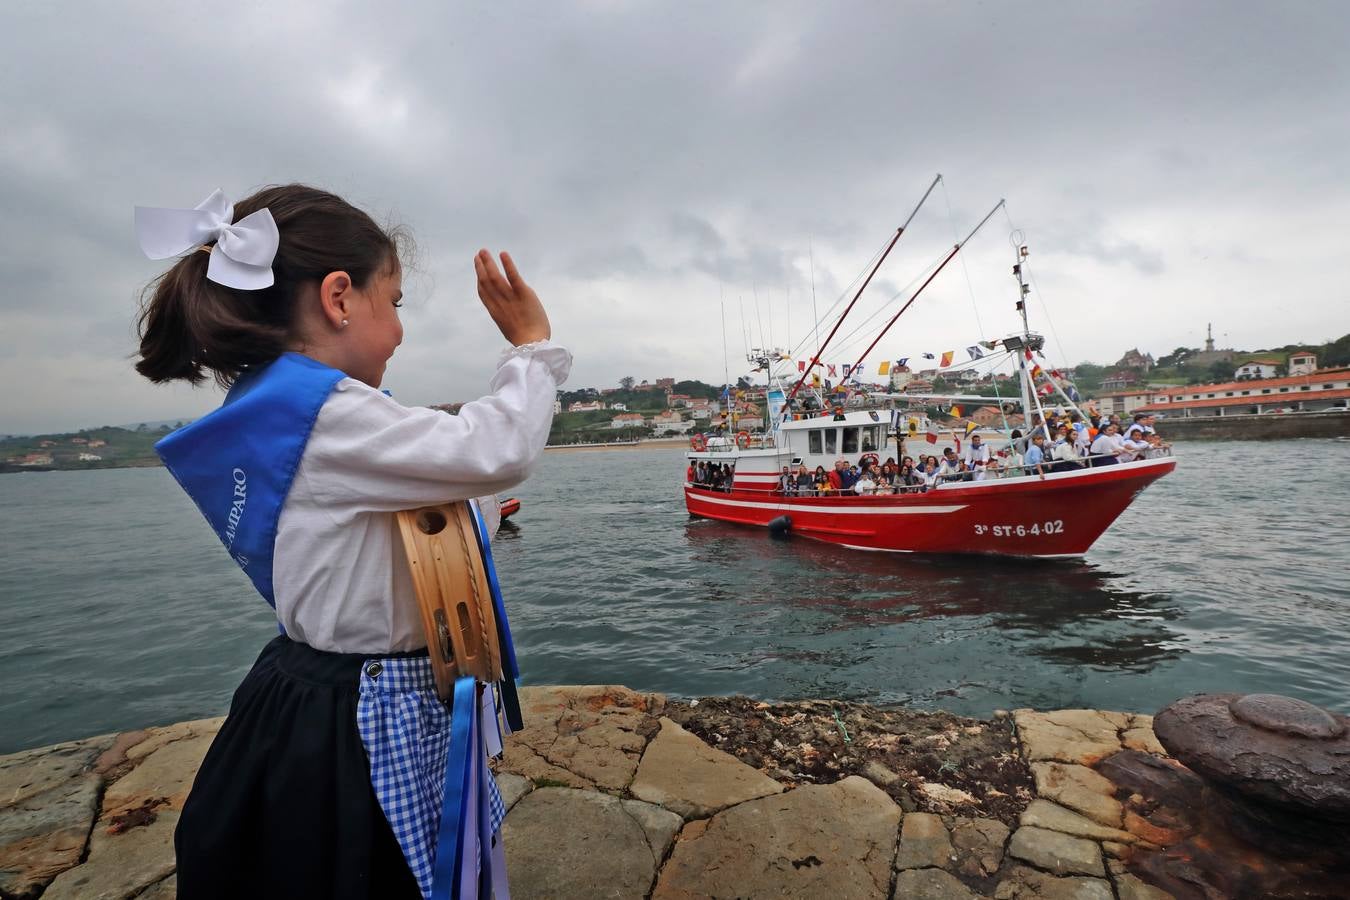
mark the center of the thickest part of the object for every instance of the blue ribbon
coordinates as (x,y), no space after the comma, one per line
(459,793)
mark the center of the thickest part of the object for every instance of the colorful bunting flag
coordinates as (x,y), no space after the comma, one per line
(847,368)
(1045,389)
(1035,371)
(801,365)
(815,379)
(956,411)
(830,371)
(885,368)
(929,356)
(975,351)
(901,362)
(971,426)
(946,359)
(931,436)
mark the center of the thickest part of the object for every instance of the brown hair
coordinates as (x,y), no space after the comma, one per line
(189,325)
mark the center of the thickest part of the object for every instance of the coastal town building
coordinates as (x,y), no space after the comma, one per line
(901,376)
(1256,368)
(1120,380)
(1124,403)
(621,407)
(627,420)
(670,422)
(89,457)
(590,406)
(1323,389)
(557,406)
(1302,363)
(665,384)
(1133,359)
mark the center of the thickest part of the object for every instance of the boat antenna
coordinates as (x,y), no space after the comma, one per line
(815,360)
(928,281)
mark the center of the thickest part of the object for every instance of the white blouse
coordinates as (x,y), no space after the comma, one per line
(339,573)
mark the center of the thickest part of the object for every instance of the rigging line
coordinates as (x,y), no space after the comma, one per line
(889,247)
(842,296)
(866,268)
(856,336)
(1040,298)
(745,341)
(970,286)
(811,252)
(954,251)
(754,292)
(726,359)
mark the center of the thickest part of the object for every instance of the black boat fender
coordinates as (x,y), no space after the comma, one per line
(780,526)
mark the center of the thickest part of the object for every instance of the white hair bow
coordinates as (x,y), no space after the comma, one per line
(243,252)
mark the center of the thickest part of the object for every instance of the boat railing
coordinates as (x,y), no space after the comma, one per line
(1002,472)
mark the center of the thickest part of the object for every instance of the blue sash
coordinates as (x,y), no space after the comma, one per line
(237,463)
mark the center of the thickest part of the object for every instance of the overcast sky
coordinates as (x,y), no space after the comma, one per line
(651,165)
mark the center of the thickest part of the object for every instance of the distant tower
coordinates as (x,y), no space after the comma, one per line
(1209,339)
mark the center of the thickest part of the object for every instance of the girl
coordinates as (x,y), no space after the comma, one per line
(326,778)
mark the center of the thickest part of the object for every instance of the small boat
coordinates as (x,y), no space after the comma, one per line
(1005,508)
(510,506)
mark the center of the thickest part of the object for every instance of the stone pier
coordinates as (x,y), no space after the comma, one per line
(620,794)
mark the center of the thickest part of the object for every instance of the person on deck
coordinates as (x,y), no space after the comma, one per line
(806,483)
(953,469)
(823,485)
(836,476)
(977,457)
(786,482)
(1107,446)
(1034,461)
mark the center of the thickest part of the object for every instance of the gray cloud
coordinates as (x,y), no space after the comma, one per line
(650,165)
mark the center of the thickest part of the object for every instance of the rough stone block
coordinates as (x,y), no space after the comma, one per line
(562,842)
(120,865)
(1079,788)
(1044,814)
(1130,887)
(979,846)
(1028,884)
(834,841)
(31,772)
(1081,736)
(583,736)
(924,843)
(685,775)
(44,834)
(930,884)
(1057,852)
(512,788)
(168,772)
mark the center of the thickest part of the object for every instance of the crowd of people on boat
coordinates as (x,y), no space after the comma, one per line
(717,476)
(1059,443)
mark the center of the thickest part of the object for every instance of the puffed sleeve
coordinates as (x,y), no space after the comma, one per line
(367,452)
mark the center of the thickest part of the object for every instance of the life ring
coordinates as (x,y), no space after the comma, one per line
(742,439)
(699,443)
(870,457)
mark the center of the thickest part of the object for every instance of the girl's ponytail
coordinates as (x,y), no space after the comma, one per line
(190,326)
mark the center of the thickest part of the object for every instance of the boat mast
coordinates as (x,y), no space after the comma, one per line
(1024,374)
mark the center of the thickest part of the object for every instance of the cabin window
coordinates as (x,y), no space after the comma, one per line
(851,440)
(831,441)
(871,438)
(813,442)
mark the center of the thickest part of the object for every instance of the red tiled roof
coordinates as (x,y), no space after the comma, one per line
(1257,383)
(1266,399)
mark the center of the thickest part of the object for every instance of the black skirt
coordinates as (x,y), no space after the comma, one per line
(282,805)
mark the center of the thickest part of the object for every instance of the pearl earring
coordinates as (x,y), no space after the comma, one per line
(344,323)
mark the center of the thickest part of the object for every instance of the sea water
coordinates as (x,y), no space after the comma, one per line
(119,609)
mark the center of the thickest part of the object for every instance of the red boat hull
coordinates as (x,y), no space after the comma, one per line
(1060,515)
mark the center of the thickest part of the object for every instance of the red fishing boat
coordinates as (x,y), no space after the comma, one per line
(1004,507)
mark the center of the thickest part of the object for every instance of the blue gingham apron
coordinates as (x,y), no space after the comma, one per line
(406,732)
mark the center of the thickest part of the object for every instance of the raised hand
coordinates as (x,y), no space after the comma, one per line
(512,303)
